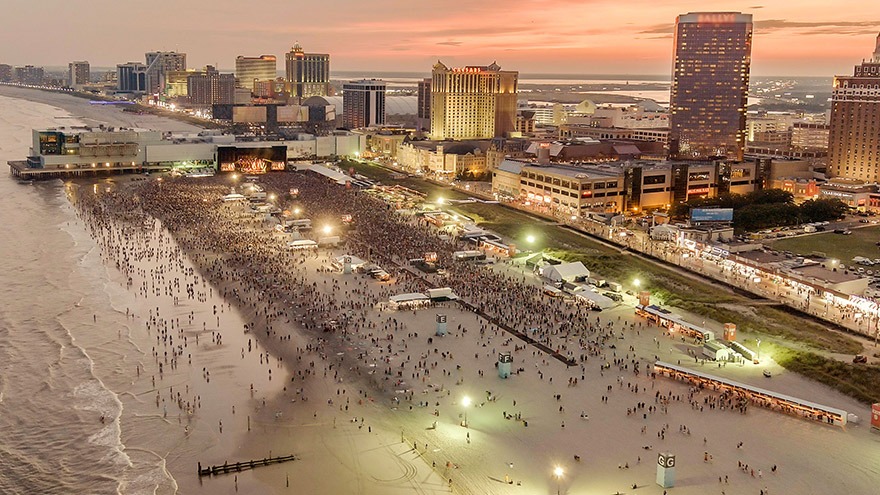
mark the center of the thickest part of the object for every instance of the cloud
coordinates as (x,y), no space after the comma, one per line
(450,43)
(818,27)
(666,28)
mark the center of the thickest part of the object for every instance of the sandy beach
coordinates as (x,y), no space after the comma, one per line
(603,421)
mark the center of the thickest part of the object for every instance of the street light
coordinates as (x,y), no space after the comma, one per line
(465,402)
(759,350)
(558,472)
(637,283)
(327,229)
(530,239)
(297,211)
(440,200)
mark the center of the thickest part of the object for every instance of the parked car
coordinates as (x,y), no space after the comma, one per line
(860,359)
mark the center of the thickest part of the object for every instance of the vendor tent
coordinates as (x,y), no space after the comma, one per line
(566,272)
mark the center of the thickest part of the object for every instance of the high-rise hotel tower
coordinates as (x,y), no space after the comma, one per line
(473,102)
(854,130)
(710,84)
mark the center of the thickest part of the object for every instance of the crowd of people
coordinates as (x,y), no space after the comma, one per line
(241,254)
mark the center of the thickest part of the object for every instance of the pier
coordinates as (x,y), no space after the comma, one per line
(238,467)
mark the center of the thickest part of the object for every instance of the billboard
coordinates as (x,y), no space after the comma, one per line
(293,113)
(249,115)
(712,215)
(252,160)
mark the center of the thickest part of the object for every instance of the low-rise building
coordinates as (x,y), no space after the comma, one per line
(446,159)
(87,148)
(854,192)
(632,185)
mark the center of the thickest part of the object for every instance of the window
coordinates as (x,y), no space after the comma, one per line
(654,179)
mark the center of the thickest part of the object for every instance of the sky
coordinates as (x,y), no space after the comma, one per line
(791,37)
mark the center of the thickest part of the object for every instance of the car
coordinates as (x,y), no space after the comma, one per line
(767,373)
(864,220)
(860,359)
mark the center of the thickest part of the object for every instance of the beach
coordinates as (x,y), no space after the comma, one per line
(211,343)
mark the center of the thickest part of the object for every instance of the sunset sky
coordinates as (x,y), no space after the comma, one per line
(792,37)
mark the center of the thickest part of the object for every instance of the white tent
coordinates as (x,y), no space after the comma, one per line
(595,299)
(565,272)
(408,297)
(409,300)
(234,197)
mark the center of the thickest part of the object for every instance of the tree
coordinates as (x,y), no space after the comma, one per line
(820,210)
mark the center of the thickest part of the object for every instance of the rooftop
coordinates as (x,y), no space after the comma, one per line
(818,272)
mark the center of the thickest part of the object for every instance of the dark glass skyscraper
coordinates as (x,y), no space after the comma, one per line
(710,83)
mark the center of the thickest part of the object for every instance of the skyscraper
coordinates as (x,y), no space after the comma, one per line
(307,73)
(131,77)
(710,83)
(77,74)
(158,63)
(854,133)
(424,103)
(250,69)
(211,87)
(363,103)
(474,102)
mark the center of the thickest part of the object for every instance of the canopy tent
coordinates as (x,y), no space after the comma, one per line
(234,197)
(595,299)
(409,300)
(565,272)
(408,297)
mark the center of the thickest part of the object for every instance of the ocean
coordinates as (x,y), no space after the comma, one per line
(64,346)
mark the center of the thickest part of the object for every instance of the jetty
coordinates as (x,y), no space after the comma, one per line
(237,467)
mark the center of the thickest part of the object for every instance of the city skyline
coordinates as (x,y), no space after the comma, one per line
(537,36)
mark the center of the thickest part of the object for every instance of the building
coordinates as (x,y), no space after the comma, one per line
(572,131)
(444,159)
(158,63)
(710,83)
(29,75)
(854,127)
(307,73)
(251,69)
(210,88)
(809,136)
(424,108)
(855,193)
(473,102)
(363,103)
(78,150)
(631,185)
(77,75)
(131,77)
(175,82)
(5,73)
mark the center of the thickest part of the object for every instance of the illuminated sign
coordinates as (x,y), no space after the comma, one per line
(712,215)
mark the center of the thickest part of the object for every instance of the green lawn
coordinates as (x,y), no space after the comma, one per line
(838,246)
